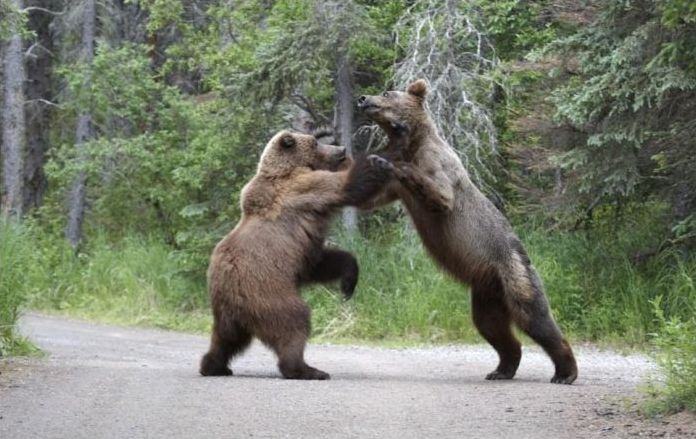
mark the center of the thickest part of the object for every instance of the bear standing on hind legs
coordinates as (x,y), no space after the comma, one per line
(465,233)
(256,271)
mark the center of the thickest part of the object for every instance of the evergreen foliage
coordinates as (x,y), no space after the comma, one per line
(634,97)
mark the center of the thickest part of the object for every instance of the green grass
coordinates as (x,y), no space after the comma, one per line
(401,296)
(135,281)
(597,293)
(595,289)
(15,260)
(675,352)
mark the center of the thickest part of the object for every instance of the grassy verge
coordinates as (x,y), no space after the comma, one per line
(597,293)
(15,256)
(137,281)
(676,354)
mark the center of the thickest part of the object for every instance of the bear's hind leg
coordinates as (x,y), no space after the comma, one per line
(536,321)
(492,319)
(291,360)
(287,337)
(228,339)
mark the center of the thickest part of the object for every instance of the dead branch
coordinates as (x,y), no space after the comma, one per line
(306,104)
(445,48)
(44,10)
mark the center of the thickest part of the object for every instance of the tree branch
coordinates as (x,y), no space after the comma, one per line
(28,53)
(588,212)
(306,104)
(457,75)
(41,101)
(40,9)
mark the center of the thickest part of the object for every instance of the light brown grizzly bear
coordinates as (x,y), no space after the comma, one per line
(256,271)
(465,233)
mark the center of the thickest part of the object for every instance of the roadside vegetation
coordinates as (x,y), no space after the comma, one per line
(596,291)
(16,275)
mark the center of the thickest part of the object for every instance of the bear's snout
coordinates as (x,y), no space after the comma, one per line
(367,103)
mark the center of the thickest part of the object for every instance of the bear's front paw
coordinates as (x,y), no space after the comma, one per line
(379,162)
(400,128)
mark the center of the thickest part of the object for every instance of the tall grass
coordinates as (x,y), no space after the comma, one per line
(598,291)
(676,353)
(595,290)
(134,281)
(15,274)
(401,295)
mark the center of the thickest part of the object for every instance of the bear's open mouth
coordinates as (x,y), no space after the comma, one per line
(371,110)
(367,106)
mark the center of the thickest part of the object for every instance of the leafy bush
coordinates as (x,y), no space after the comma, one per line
(676,354)
(163,162)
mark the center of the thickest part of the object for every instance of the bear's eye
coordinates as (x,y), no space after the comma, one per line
(385,94)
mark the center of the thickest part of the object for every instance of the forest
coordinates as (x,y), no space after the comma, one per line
(130,126)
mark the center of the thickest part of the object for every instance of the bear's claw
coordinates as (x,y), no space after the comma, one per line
(564,379)
(498,375)
(379,162)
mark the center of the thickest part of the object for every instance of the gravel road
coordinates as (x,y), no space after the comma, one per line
(110,382)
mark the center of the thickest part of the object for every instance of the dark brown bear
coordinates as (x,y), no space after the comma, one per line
(466,234)
(256,271)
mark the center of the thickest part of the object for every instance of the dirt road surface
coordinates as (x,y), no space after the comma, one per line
(102,381)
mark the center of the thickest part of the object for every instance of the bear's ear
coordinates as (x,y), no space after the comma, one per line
(418,88)
(287,141)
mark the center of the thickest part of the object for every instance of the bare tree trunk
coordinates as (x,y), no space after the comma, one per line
(39,95)
(82,134)
(344,122)
(558,177)
(13,124)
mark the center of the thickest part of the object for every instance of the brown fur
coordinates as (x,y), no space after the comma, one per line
(256,271)
(466,234)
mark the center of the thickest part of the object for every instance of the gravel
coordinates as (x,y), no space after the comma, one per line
(103,381)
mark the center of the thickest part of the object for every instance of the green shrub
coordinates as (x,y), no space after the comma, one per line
(596,288)
(676,355)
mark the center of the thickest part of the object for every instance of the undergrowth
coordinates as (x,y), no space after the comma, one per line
(596,290)
(15,265)
(675,352)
